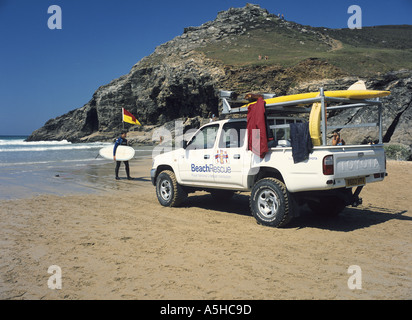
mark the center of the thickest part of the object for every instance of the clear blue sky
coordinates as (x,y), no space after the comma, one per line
(45,73)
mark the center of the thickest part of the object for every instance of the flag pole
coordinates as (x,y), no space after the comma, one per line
(123,118)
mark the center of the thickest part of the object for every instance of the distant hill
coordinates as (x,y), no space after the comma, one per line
(360,52)
(182,77)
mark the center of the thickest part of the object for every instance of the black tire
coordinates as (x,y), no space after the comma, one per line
(270,203)
(168,191)
(222,195)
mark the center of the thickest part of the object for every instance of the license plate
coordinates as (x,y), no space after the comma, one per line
(355,181)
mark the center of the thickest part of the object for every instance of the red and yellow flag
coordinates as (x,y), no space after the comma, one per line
(129,118)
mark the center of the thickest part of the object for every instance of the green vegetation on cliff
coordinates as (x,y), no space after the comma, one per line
(356,52)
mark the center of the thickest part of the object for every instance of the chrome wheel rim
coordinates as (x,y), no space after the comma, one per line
(268,203)
(165,189)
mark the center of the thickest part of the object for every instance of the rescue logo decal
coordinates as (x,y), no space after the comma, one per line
(220,165)
(221,157)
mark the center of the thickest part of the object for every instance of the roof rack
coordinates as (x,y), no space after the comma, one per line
(305,106)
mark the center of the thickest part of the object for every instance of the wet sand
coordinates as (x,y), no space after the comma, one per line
(117,242)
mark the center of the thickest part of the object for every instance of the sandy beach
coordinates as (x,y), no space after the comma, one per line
(119,243)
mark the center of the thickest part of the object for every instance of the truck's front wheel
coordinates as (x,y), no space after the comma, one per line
(168,191)
(269,203)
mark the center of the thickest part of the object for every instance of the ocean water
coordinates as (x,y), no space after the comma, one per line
(54,167)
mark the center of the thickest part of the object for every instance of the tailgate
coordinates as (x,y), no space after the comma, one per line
(352,162)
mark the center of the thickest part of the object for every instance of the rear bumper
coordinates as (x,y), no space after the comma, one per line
(364,180)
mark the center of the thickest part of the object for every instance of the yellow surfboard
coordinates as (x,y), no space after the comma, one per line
(314,124)
(347,94)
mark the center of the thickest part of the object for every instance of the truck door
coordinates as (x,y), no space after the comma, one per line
(196,162)
(230,155)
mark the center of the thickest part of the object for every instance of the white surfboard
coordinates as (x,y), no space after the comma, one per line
(123,153)
(359,85)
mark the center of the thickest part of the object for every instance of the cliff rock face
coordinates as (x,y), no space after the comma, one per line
(179,86)
(178,80)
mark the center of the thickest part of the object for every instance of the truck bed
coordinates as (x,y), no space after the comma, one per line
(353,165)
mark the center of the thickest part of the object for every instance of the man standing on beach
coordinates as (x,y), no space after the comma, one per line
(121,141)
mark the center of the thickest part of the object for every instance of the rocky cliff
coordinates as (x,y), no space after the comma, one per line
(181,79)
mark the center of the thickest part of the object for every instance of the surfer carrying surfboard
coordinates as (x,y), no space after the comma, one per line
(121,141)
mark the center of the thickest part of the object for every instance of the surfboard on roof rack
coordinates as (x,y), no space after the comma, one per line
(316,102)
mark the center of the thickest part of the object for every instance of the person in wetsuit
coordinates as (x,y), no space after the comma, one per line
(121,141)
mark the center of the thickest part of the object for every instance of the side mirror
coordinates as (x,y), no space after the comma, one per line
(184,144)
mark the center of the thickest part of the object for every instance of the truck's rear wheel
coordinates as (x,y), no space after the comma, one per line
(269,203)
(168,191)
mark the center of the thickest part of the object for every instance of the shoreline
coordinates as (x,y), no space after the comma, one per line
(66,171)
(121,244)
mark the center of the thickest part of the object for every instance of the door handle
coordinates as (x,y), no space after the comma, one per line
(236,156)
(206,156)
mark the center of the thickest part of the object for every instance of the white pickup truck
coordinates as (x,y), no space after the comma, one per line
(216,159)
